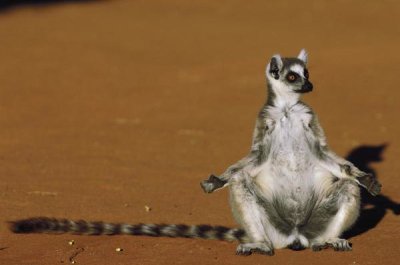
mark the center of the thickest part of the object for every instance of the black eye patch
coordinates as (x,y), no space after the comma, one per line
(306,74)
(292,77)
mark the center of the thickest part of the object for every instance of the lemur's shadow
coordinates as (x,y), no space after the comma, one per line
(8,4)
(373,209)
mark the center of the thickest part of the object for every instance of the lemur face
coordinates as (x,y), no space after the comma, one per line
(290,74)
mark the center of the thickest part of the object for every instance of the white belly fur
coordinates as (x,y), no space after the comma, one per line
(291,167)
(291,171)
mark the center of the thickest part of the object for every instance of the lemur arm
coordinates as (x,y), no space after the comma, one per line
(340,167)
(248,163)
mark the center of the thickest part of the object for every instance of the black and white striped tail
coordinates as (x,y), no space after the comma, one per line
(53,225)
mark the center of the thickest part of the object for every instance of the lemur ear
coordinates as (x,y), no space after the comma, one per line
(274,66)
(303,55)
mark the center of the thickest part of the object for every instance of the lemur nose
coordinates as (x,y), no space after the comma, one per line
(307,86)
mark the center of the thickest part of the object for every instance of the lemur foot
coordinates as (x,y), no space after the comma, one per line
(211,184)
(246,249)
(337,244)
(340,245)
(319,246)
(366,180)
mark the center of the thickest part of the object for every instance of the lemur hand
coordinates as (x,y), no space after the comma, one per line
(211,184)
(366,180)
(369,182)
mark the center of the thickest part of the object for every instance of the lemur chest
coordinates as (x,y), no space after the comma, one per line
(290,164)
(289,138)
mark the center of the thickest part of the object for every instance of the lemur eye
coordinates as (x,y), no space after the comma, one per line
(291,77)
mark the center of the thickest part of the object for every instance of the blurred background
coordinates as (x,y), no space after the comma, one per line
(110,106)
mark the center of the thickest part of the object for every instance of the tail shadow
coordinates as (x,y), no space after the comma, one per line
(8,4)
(373,209)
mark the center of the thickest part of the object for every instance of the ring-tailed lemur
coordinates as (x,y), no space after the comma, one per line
(290,191)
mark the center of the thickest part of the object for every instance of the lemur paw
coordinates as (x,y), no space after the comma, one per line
(337,244)
(207,186)
(369,182)
(211,184)
(249,248)
(340,245)
(319,246)
(366,180)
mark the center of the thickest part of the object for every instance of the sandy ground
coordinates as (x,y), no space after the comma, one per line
(108,106)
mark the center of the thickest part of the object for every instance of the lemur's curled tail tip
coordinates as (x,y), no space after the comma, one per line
(81,227)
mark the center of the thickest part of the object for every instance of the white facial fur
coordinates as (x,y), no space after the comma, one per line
(284,94)
(297,68)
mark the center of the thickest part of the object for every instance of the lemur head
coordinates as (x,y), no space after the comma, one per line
(288,77)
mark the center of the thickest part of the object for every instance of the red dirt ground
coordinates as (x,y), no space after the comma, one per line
(108,106)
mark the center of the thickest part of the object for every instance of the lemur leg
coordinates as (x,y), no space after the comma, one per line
(345,193)
(250,215)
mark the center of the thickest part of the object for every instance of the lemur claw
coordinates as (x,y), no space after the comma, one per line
(211,184)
